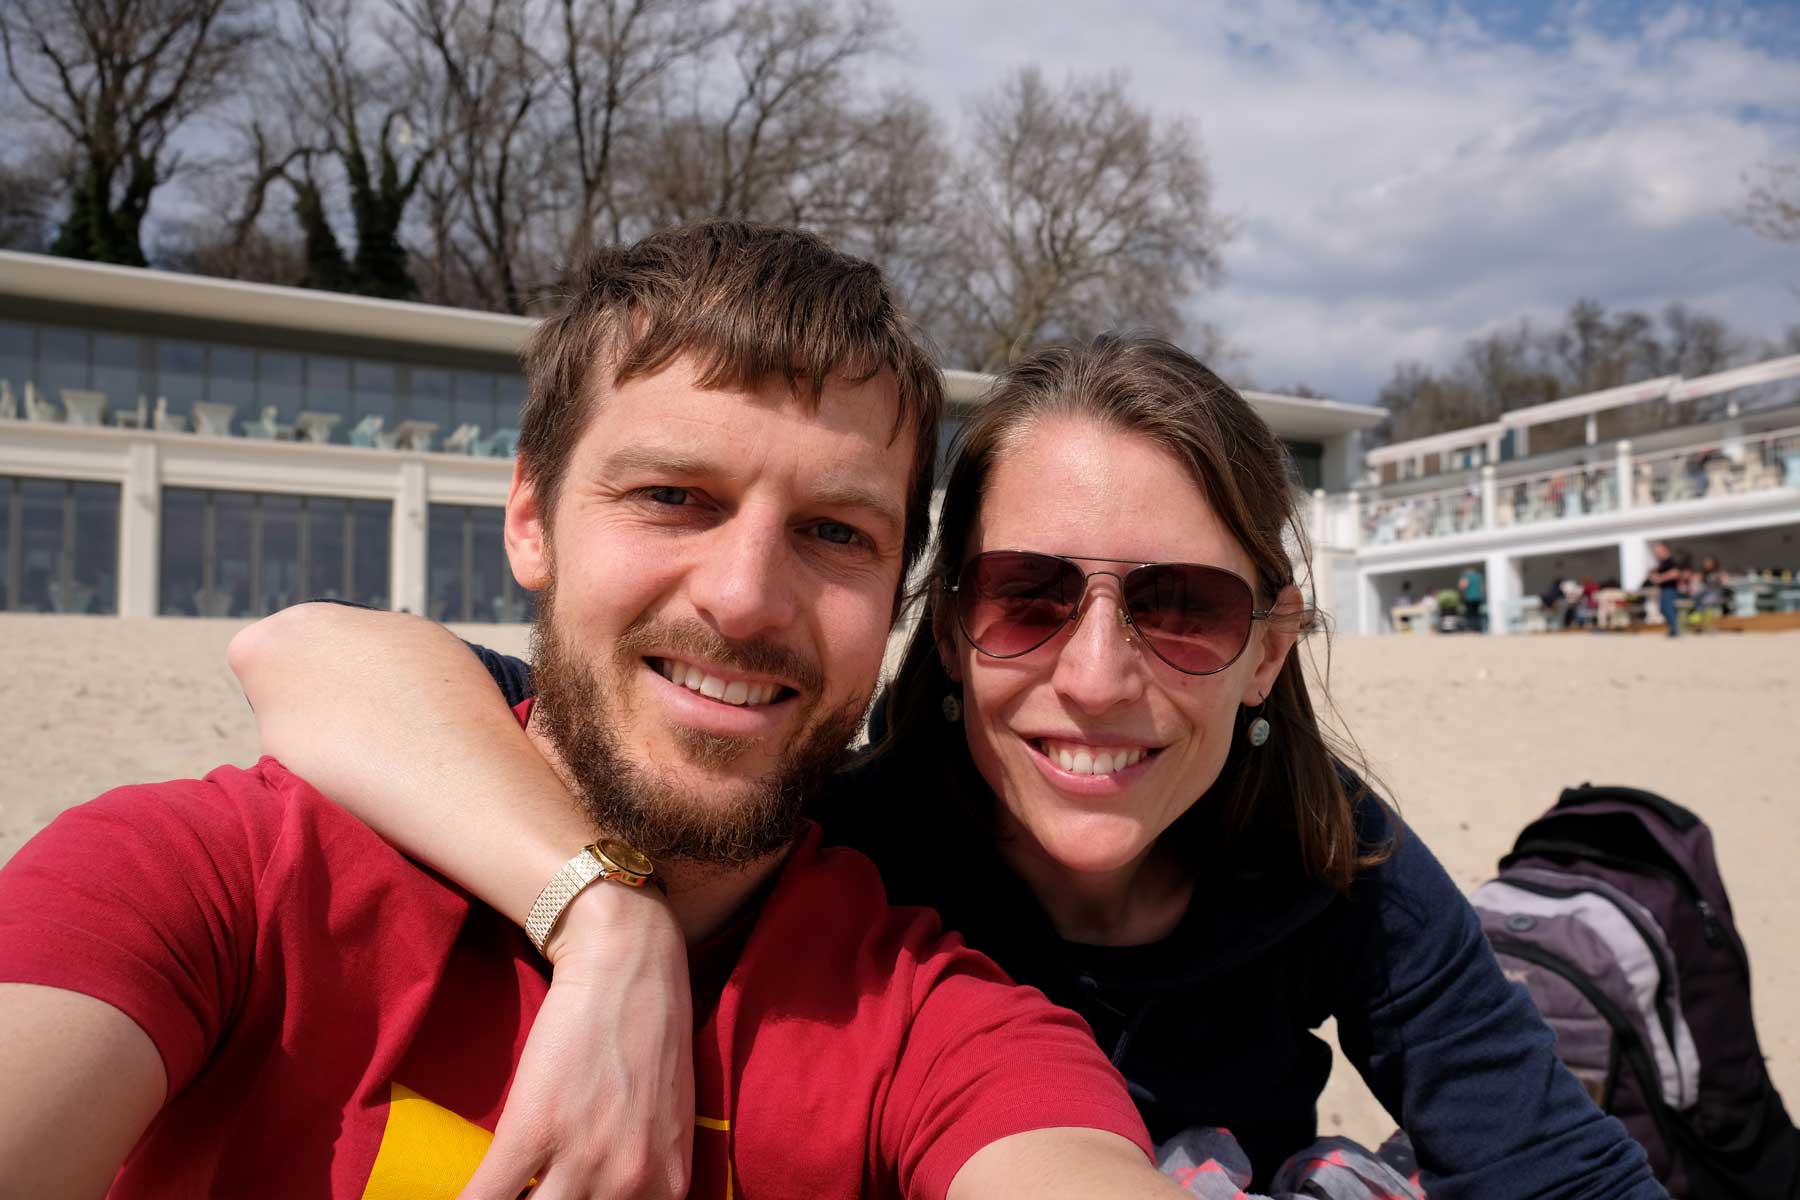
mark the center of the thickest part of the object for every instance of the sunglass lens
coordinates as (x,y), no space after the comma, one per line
(1010,602)
(1197,618)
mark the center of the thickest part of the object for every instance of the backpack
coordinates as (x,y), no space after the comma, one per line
(1611,912)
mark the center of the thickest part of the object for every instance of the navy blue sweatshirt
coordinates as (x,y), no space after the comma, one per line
(1215,1024)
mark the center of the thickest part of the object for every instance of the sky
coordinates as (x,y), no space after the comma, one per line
(1407,175)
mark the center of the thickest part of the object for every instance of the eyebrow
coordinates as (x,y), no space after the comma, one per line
(833,492)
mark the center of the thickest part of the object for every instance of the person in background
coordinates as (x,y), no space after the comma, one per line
(1473,586)
(1101,762)
(1666,577)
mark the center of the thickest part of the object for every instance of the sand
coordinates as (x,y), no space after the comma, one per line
(1474,736)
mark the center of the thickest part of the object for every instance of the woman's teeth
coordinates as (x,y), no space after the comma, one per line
(1085,760)
(714,688)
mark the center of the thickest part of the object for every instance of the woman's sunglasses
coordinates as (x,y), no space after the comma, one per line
(1195,618)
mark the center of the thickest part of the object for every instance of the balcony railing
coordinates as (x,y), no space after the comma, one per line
(1756,463)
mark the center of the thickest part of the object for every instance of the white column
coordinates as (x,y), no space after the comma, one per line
(1593,428)
(1522,441)
(1368,605)
(406,568)
(1622,465)
(1489,498)
(140,530)
(1634,561)
(1354,501)
(1504,587)
(1320,535)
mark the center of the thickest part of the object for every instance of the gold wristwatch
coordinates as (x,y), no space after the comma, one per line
(607,860)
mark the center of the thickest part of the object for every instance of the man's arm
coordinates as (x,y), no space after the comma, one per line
(83,1082)
(1081,1164)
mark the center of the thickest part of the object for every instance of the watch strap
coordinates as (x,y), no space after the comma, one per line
(570,880)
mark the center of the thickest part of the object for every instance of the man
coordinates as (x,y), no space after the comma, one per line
(1474,593)
(1665,576)
(234,988)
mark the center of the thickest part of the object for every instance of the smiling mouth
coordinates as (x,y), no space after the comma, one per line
(741,693)
(1078,759)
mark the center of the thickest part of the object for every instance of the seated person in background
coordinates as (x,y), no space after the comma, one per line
(231,987)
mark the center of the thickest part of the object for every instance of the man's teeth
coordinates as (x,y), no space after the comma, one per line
(714,688)
(1085,760)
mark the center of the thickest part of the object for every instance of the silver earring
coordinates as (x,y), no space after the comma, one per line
(952,708)
(1259,731)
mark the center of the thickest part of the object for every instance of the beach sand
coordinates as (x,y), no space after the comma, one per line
(1475,736)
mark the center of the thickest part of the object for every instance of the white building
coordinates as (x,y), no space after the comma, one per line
(173,445)
(1479,497)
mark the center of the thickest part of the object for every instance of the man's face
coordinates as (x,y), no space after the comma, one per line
(718,582)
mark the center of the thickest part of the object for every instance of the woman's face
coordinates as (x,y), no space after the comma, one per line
(1074,488)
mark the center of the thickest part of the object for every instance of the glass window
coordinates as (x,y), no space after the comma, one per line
(326,538)
(62,360)
(183,576)
(376,393)
(118,369)
(509,400)
(231,379)
(372,528)
(328,389)
(181,375)
(280,383)
(11,526)
(96,567)
(41,503)
(277,582)
(234,538)
(431,399)
(467,575)
(16,357)
(475,400)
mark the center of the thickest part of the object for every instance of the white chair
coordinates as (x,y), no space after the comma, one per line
(165,421)
(414,435)
(84,407)
(128,418)
(9,405)
(214,420)
(267,428)
(462,441)
(315,426)
(367,432)
(39,407)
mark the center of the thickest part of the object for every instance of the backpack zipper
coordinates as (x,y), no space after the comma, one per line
(1711,928)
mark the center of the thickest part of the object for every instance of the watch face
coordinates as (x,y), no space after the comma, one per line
(627,857)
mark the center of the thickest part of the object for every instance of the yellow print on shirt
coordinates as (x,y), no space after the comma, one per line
(430,1153)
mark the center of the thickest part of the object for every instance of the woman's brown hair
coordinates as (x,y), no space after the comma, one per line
(1293,790)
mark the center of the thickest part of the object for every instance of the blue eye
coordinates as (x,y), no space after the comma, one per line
(836,532)
(673,496)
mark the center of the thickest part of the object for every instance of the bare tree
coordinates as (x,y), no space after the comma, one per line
(116,79)
(25,191)
(1082,211)
(1772,201)
(482,87)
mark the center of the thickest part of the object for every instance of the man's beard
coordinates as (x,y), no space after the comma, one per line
(638,803)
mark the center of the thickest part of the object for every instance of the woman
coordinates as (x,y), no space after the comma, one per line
(1100,761)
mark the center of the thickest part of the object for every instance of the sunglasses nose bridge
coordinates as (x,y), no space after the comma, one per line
(1089,596)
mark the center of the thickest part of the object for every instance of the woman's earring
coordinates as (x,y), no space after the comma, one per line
(1259,729)
(952,708)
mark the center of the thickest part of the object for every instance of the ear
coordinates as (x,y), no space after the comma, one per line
(527,535)
(1277,642)
(943,631)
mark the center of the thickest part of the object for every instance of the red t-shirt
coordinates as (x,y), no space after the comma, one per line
(336,1020)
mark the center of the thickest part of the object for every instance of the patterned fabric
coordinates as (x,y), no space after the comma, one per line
(1210,1164)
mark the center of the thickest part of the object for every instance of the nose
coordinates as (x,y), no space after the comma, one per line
(743,584)
(1098,668)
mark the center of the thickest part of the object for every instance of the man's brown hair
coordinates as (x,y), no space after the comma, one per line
(745,302)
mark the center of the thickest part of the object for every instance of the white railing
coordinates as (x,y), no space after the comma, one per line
(1430,514)
(1577,491)
(1728,467)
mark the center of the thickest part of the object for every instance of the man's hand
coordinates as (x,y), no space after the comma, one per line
(602,1103)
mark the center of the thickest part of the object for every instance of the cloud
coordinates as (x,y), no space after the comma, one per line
(1408,173)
